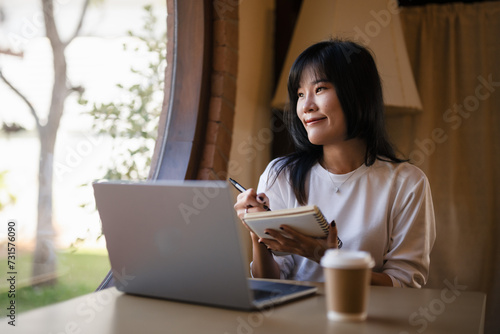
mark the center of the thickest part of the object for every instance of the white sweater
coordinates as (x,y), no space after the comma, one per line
(385,209)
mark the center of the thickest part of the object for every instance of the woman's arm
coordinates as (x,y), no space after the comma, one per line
(413,232)
(381,279)
(263,265)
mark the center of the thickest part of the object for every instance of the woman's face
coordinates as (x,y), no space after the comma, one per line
(319,110)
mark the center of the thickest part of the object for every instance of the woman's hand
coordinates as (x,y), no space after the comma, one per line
(250,201)
(263,265)
(297,243)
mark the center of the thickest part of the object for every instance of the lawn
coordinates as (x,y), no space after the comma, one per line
(79,273)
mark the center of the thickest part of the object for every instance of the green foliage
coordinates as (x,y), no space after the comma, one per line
(132,121)
(78,274)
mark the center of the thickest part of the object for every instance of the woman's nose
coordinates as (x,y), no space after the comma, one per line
(309,105)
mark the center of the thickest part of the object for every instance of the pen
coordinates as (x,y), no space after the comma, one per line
(242,189)
(237,185)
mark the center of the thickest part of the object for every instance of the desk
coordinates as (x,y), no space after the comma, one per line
(390,310)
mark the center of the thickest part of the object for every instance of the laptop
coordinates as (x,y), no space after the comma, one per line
(180,240)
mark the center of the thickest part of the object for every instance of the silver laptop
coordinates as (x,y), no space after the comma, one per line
(180,240)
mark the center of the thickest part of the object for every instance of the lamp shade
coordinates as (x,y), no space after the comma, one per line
(372,23)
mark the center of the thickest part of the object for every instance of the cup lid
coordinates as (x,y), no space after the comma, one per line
(345,259)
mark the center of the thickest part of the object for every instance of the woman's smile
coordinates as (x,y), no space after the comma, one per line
(315,120)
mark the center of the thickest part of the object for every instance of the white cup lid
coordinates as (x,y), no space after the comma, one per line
(345,259)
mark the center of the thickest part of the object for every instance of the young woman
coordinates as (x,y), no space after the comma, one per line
(344,164)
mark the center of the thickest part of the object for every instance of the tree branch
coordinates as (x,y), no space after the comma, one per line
(50,24)
(21,95)
(9,52)
(80,22)
(71,88)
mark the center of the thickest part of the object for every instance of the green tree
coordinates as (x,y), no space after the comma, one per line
(44,259)
(132,121)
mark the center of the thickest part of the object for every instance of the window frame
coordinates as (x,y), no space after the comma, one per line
(181,128)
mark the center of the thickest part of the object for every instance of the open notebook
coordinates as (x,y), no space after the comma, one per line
(180,240)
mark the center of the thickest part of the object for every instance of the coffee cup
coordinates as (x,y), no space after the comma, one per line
(347,283)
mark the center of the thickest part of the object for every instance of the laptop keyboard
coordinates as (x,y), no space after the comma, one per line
(259,294)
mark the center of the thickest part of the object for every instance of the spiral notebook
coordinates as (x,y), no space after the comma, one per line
(307,220)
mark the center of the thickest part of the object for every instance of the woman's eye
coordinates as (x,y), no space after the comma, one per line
(319,89)
(300,94)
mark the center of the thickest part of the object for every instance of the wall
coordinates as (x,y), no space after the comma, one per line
(250,152)
(214,162)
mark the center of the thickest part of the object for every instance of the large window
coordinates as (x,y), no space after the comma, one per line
(100,134)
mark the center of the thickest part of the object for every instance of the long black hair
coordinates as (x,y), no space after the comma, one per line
(351,68)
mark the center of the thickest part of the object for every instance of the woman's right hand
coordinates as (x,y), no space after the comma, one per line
(263,265)
(250,201)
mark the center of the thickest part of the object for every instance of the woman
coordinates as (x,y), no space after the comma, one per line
(345,165)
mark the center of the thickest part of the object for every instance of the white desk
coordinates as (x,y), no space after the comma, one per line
(391,310)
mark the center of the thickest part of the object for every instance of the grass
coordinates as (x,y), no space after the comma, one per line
(79,273)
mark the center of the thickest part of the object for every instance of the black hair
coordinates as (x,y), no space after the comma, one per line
(351,69)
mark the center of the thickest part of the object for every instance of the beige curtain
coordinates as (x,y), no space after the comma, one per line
(455,54)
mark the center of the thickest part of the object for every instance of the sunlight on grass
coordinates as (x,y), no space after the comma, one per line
(79,273)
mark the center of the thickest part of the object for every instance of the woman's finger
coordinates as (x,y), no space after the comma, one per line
(332,239)
(276,235)
(245,201)
(276,245)
(294,234)
(264,200)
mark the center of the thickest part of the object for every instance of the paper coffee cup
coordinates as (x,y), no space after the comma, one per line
(347,283)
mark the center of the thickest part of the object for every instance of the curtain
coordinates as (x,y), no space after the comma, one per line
(454,50)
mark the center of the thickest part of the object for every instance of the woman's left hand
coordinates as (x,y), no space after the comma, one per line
(297,243)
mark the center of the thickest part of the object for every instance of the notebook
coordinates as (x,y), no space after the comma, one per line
(180,240)
(307,220)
